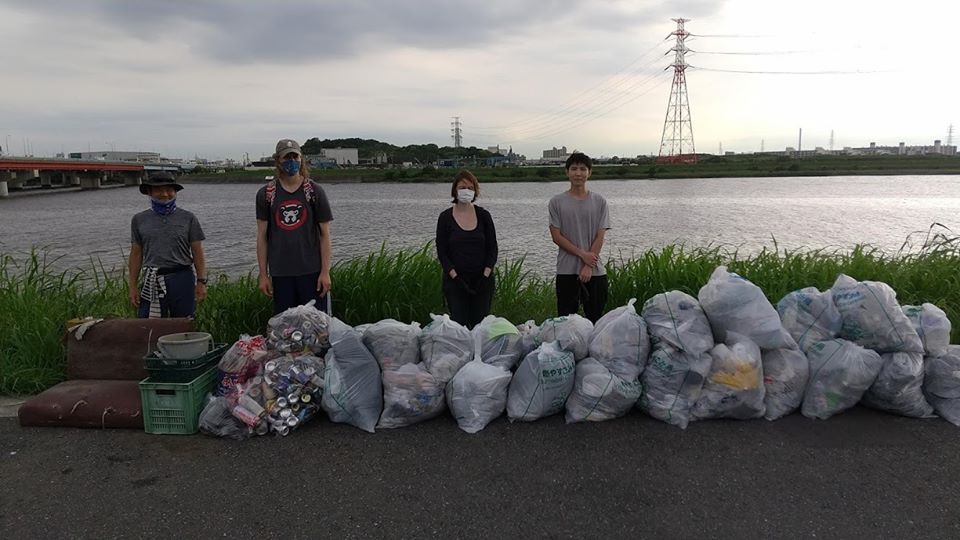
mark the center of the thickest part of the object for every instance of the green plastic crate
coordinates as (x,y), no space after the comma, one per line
(182,370)
(174,408)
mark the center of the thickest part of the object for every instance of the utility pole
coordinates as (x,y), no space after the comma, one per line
(831,141)
(456,132)
(799,143)
(677,125)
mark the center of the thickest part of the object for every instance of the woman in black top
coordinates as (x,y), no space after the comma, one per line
(467,249)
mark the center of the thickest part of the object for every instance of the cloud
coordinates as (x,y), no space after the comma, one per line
(299,32)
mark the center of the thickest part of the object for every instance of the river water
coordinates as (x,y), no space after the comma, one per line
(747,214)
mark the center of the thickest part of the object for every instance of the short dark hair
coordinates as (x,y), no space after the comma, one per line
(579,158)
(469,177)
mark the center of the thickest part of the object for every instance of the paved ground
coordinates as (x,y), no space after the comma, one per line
(859,475)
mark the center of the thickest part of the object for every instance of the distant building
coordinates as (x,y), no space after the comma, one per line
(112,155)
(342,156)
(556,153)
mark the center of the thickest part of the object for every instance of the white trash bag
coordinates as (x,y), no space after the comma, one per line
(411,394)
(676,320)
(941,384)
(932,325)
(734,304)
(599,394)
(571,332)
(529,337)
(785,375)
(542,383)
(899,386)
(734,387)
(499,342)
(620,342)
(353,393)
(477,394)
(445,347)
(393,343)
(809,316)
(872,318)
(672,382)
(840,372)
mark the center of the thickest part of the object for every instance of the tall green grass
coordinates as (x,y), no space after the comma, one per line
(36,300)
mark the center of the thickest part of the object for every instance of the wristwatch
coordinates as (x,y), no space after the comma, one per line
(202,280)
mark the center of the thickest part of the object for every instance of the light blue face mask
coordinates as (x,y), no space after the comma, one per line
(290,166)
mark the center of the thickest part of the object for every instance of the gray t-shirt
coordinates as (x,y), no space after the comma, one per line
(579,221)
(293,229)
(165,240)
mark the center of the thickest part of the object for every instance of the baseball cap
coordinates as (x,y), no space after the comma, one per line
(285,146)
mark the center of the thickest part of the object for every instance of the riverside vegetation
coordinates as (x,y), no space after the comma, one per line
(36,300)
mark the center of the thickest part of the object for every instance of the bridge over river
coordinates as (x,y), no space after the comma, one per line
(25,173)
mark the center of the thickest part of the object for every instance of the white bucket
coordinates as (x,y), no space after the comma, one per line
(184,345)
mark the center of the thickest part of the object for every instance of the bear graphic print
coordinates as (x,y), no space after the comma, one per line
(291,215)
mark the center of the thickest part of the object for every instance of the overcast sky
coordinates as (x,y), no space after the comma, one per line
(220,78)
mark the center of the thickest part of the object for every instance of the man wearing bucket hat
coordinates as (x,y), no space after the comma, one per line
(166,241)
(293,233)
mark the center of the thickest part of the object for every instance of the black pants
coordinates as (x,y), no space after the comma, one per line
(468,297)
(571,294)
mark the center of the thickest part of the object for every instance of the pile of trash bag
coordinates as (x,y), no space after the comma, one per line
(620,342)
(445,347)
(679,362)
(393,343)
(785,375)
(840,373)
(734,387)
(734,304)
(570,332)
(932,325)
(941,384)
(477,394)
(599,394)
(499,342)
(898,388)
(353,393)
(809,316)
(411,394)
(542,383)
(298,329)
(872,318)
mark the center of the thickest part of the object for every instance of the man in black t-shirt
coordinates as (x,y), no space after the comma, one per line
(293,234)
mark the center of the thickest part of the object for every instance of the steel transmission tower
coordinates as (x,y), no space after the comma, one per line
(456,132)
(676,144)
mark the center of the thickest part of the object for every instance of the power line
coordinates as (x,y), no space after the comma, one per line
(839,72)
(580,98)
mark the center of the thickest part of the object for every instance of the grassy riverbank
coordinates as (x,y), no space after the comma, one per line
(35,300)
(740,166)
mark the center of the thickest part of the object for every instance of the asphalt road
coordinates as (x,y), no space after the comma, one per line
(861,474)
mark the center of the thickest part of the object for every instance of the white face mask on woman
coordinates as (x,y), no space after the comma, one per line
(465,195)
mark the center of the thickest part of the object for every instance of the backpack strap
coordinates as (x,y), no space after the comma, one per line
(308,191)
(271,192)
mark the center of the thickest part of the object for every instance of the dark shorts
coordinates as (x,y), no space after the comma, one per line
(291,291)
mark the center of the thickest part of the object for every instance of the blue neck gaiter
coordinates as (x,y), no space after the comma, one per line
(163,208)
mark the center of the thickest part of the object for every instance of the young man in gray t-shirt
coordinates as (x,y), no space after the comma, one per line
(579,219)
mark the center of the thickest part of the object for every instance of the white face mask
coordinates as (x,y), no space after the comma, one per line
(465,195)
